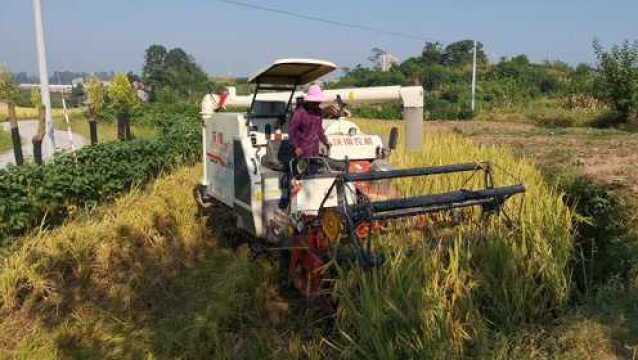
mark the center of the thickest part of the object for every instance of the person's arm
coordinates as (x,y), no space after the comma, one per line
(322,134)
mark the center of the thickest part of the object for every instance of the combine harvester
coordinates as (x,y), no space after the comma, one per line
(249,165)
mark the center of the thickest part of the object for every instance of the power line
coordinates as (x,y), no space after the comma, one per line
(326,21)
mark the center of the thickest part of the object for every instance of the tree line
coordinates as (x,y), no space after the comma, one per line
(445,72)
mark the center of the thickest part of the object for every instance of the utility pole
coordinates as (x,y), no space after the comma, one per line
(474,79)
(44,75)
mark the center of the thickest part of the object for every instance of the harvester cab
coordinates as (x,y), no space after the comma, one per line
(249,167)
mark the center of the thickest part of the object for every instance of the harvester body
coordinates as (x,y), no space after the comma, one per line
(241,167)
(249,167)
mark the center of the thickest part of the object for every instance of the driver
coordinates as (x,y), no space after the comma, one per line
(306,129)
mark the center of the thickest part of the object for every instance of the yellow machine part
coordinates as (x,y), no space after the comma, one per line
(331,224)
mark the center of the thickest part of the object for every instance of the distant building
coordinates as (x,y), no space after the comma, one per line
(386,61)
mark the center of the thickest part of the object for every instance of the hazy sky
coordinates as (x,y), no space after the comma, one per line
(90,35)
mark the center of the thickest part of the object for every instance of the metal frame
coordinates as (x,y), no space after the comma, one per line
(490,199)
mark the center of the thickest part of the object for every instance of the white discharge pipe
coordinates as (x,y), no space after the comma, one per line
(410,96)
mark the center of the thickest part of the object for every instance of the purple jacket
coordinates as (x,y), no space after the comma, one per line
(305,132)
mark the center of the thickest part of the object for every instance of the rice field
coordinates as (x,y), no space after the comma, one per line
(26,113)
(147,277)
(459,287)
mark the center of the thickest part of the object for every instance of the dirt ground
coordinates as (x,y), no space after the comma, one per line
(607,156)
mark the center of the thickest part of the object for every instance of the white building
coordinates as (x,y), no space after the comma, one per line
(61,89)
(386,61)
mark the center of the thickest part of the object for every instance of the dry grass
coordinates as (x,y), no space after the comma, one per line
(109,260)
(23,113)
(457,285)
(145,277)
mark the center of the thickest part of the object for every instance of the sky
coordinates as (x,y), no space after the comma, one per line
(229,40)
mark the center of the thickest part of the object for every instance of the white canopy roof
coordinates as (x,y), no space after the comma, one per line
(293,72)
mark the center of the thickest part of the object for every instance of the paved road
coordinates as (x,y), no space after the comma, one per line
(28,129)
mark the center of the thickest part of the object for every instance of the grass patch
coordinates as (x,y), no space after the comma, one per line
(24,113)
(145,277)
(5,140)
(547,112)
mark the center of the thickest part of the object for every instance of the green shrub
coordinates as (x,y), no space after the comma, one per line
(605,245)
(386,111)
(617,81)
(548,117)
(153,115)
(443,109)
(32,196)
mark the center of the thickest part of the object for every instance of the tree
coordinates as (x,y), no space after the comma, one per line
(175,70)
(153,71)
(617,80)
(184,75)
(95,98)
(9,94)
(461,53)
(36,98)
(432,53)
(414,70)
(125,102)
(77,94)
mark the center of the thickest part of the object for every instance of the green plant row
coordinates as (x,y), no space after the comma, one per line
(33,196)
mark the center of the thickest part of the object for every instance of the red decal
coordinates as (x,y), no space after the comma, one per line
(216,158)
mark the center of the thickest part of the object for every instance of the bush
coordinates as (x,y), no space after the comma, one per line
(605,244)
(442,109)
(153,115)
(385,111)
(32,196)
(617,82)
(549,117)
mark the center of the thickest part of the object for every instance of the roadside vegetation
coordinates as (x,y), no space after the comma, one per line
(36,196)
(551,94)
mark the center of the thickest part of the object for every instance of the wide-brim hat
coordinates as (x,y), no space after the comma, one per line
(315,95)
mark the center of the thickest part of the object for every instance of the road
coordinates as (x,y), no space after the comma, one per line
(28,129)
